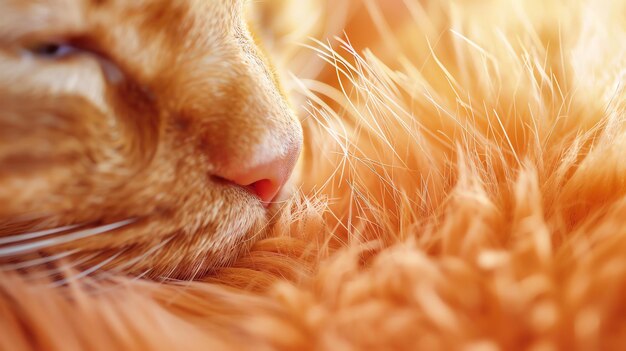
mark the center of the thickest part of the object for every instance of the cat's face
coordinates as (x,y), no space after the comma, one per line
(155,122)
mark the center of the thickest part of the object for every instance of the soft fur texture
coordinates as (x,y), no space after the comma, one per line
(462,188)
(154,106)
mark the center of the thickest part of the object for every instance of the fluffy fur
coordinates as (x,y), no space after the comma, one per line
(462,189)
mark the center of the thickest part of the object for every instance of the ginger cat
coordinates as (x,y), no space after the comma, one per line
(146,136)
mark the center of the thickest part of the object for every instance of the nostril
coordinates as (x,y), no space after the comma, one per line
(265,190)
(264,180)
(262,176)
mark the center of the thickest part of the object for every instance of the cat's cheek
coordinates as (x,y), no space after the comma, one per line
(78,77)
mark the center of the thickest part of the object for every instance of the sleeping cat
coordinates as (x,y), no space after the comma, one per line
(140,136)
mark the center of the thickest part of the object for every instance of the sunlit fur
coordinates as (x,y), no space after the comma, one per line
(462,189)
(161,96)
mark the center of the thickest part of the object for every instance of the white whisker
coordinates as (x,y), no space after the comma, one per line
(82,234)
(60,269)
(34,235)
(85,272)
(36,261)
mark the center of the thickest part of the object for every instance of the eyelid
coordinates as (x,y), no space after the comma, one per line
(82,45)
(68,43)
(53,50)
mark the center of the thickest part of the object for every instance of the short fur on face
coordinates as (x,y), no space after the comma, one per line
(128,129)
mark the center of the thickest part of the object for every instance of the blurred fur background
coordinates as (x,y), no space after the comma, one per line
(462,188)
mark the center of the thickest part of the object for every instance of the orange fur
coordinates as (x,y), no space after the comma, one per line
(463,191)
(161,97)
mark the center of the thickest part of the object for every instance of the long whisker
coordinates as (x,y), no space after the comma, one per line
(34,235)
(85,272)
(111,274)
(36,261)
(82,234)
(60,269)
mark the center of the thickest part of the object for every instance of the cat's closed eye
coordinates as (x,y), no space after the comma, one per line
(59,50)
(53,50)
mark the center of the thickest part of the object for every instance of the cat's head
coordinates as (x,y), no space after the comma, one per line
(154,129)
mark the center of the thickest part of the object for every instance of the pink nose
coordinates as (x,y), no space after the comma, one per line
(265,178)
